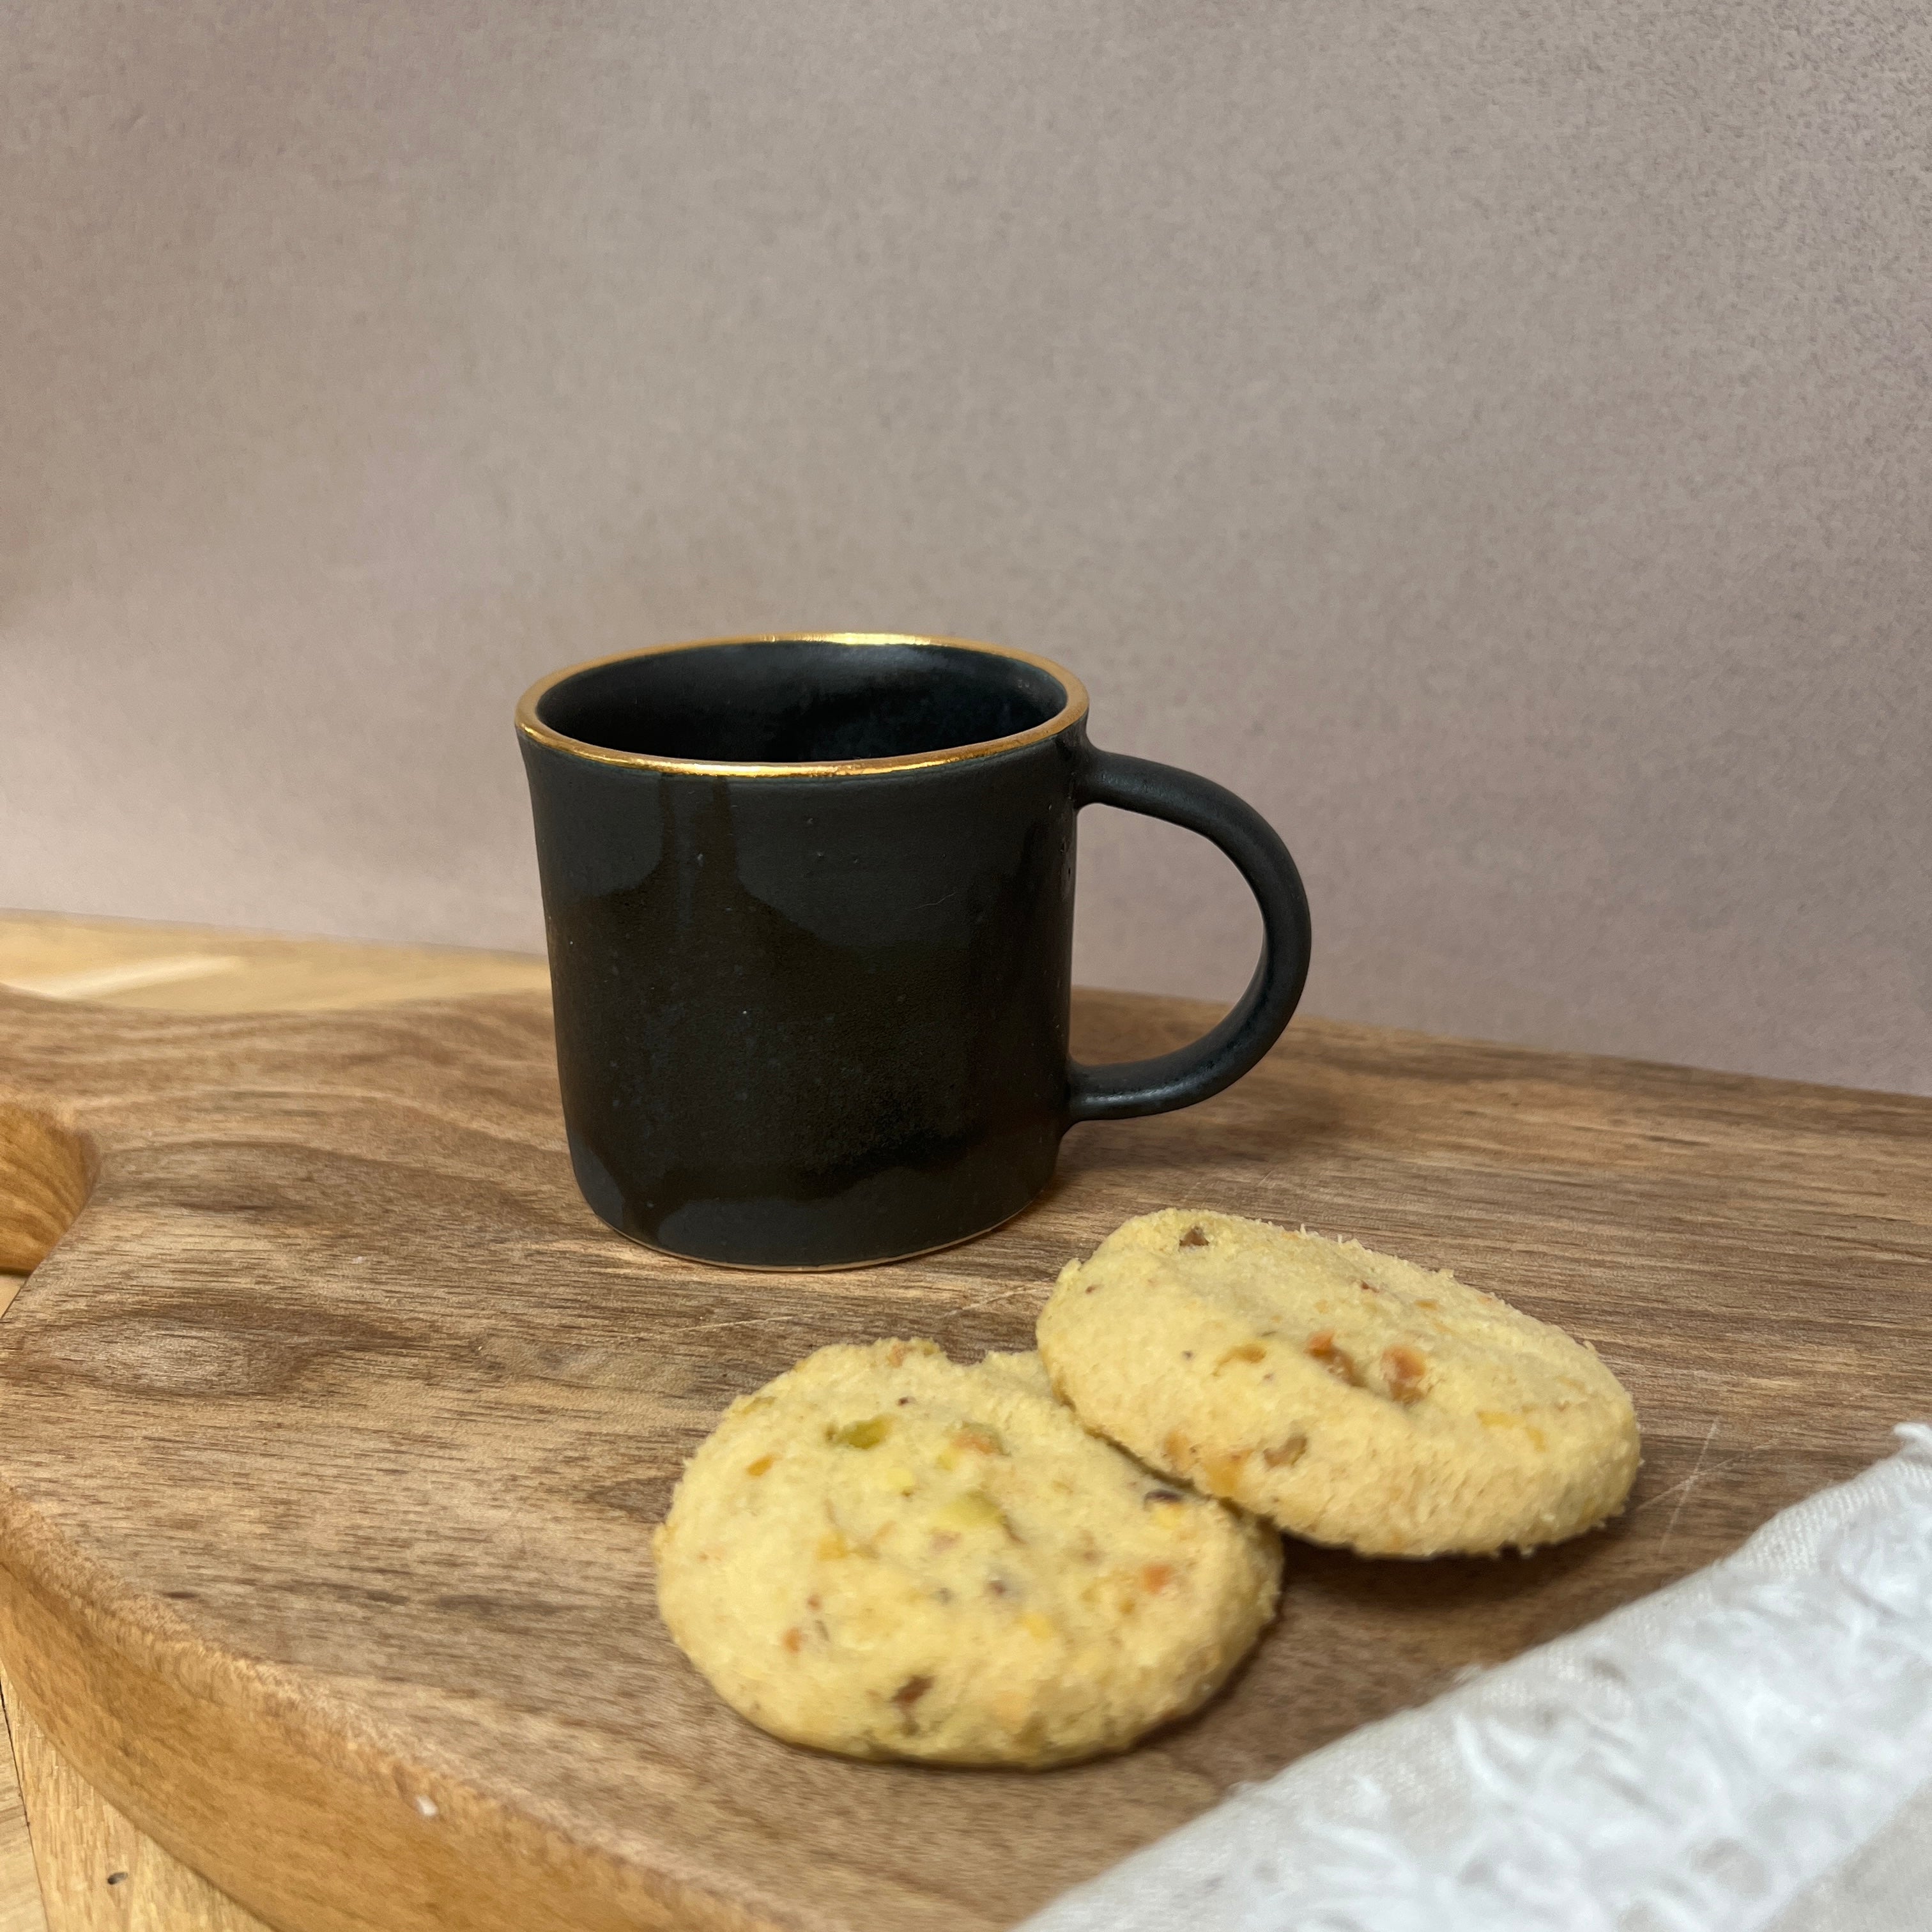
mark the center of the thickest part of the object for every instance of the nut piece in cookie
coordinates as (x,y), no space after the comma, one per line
(886,1554)
(1352,1398)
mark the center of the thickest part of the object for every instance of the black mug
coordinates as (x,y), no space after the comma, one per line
(810,909)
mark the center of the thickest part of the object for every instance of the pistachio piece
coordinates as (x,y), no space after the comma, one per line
(975,1510)
(866,1435)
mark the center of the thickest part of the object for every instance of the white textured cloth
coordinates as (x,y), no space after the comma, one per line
(1748,1750)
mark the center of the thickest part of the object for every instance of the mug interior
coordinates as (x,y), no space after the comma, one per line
(801,700)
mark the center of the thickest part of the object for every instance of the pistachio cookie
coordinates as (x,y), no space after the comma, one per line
(1354,1399)
(887,1555)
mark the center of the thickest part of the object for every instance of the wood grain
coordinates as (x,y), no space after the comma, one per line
(337,1425)
(20,1907)
(130,963)
(101,1874)
(195,969)
(44,1176)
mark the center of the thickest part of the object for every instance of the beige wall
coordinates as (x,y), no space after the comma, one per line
(1494,437)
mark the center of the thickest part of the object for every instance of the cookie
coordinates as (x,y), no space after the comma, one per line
(1351,1398)
(885,1554)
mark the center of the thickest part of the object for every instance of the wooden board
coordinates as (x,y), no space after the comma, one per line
(20,1907)
(337,1425)
(199,969)
(102,1874)
(101,1870)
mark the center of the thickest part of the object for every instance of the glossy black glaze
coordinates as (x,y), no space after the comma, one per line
(819,1019)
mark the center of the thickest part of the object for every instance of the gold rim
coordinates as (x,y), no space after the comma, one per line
(532,727)
(822,1267)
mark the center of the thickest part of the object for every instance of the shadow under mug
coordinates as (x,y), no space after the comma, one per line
(810,909)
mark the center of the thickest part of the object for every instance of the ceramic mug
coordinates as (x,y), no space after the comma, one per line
(810,908)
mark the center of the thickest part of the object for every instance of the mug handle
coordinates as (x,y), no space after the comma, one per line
(1218,1058)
